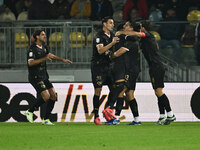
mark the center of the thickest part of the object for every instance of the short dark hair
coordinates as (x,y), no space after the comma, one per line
(120,26)
(105,19)
(136,25)
(146,24)
(36,33)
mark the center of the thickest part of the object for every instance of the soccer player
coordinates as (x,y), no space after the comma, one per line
(150,50)
(100,63)
(126,68)
(133,68)
(37,56)
(118,71)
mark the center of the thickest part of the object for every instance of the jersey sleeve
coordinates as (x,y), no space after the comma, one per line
(98,40)
(30,54)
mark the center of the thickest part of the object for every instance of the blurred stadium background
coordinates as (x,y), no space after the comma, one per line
(73,40)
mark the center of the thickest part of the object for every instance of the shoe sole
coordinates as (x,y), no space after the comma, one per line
(167,122)
(116,123)
(48,124)
(97,123)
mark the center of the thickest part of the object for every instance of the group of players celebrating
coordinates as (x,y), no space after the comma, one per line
(116,63)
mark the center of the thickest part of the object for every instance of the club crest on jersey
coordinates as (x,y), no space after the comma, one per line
(45,50)
(97,40)
(30,54)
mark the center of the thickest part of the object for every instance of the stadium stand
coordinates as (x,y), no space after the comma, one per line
(22,40)
(23,16)
(156,35)
(77,40)
(7,16)
(56,39)
(118,15)
(193,16)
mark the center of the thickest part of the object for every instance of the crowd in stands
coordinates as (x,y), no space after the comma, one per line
(171,35)
(97,9)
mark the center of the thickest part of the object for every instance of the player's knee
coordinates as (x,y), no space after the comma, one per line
(119,86)
(159,92)
(130,95)
(53,97)
(46,97)
(121,94)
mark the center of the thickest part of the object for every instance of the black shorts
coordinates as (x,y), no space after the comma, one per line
(118,71)
(131,78)
(41,85)
(157,77)
(101,75)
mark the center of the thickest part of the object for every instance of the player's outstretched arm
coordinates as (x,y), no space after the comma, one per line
(33,62)
(52,56)
(120,51)
(139,34)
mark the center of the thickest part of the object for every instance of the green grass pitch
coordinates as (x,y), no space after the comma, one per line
(87,136)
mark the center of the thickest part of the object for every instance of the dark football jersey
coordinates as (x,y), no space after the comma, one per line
(116,47)
(150,50)
(101,38)
(132,57)
(38,71)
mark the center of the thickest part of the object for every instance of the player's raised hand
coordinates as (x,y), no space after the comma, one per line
(118,33)
(115,40)
(67,61)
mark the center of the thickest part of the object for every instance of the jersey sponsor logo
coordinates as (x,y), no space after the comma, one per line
(99,77)
(30,54)
(97,40)
(99,83)
(126,77)
(41,83)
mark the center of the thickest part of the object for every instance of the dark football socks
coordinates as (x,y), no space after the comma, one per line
(37,104)
(49,108)
(165,102)
(119,105)
(96,106)
(161,106)
(134,107)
